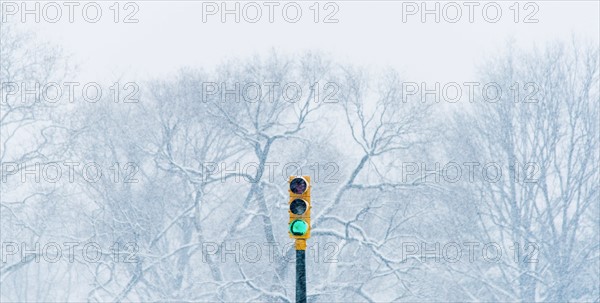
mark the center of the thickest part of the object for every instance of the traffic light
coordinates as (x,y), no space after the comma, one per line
(299,225)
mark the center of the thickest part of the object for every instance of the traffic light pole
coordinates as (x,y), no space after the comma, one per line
(300,271)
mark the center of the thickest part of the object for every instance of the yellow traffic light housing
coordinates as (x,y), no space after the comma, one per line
(299,207)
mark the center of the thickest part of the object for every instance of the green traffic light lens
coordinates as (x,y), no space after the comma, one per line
(299,227)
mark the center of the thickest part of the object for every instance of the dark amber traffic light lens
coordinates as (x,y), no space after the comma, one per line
(298,207)
(298,186)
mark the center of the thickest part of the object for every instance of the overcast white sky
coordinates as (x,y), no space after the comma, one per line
(171,34)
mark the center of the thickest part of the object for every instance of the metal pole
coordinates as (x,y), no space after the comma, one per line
(300,276)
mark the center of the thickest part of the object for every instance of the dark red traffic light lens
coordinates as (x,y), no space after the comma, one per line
(298,186)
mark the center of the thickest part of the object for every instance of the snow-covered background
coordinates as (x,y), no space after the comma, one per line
(145,148)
